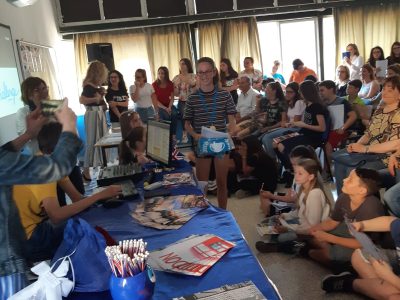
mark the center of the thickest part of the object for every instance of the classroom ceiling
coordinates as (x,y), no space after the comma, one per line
(95,15)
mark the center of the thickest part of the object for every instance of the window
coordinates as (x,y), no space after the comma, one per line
(288,40)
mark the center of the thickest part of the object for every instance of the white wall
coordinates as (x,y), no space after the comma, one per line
(36,24)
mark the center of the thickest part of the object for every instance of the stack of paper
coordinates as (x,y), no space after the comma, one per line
(169,212)
(193,255)
(240,291)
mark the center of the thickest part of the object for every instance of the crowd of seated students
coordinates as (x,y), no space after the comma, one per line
(269,128)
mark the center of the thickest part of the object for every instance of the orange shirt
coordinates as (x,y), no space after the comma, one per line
(299,76)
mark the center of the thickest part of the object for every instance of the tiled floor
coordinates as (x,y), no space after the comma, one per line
(296,278)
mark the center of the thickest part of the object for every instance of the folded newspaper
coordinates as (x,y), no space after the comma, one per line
(240,291)
(169,212)
(193,255)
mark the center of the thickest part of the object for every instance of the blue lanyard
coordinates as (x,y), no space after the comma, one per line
(213,116)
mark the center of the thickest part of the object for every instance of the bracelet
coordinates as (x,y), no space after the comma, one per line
(361,226)
(366,149)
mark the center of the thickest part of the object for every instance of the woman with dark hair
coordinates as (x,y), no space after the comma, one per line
(214,108)
(370,87)
(184,85)
(311,129)
(342,79)
(273,116)
(228,78)
(116,97)
(381,137)
(250,174)
(295,113)
(95,119)
(255,75)
(375,54)
(129,120)
(33,91)
(132,149)
(143,94)
(355,62)
(394,57)
(164,89)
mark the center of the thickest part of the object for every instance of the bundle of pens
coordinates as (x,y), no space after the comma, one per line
(127,259)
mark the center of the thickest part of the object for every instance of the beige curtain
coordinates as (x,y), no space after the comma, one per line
(234,39)
(240,39)
(129,50)
(210,35)
(166,46)
(367,27)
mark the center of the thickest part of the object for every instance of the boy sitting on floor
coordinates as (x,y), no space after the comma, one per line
(332,244)
(378,279)
(41,215)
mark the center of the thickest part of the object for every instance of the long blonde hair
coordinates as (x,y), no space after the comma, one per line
(96,74)
(312,167)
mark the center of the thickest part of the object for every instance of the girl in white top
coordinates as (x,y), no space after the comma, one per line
(313,205)
(255,75)
(370,87)
(143,94)
(355,62)
(296,108)
(184,84)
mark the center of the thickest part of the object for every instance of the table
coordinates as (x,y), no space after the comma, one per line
(239,264)
(110,140)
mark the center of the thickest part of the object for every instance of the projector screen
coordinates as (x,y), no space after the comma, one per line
(10,94)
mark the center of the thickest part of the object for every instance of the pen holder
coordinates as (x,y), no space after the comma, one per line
(138,287)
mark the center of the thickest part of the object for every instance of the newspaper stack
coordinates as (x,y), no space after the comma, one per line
(193,255)
(169,212)
(240,291)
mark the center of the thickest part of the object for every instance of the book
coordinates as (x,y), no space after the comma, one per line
(168,212)
(240,291)
(193,255)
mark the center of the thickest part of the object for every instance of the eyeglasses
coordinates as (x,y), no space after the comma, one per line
(39,89)
(113,77)
(205,73)
(396,48)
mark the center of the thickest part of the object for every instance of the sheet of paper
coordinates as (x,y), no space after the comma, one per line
(382,65)
(336,113)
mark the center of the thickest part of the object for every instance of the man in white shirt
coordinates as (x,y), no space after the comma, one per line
(248,98)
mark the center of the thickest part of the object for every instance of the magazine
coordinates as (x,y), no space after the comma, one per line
(178,178)
(267,226)
(193,255)
(240,291)
(281,138)
(170,212)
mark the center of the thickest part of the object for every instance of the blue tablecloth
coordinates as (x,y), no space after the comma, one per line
(237,265)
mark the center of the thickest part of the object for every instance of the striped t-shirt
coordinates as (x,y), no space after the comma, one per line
(200,112)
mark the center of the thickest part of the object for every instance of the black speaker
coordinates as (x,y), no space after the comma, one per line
(102,52)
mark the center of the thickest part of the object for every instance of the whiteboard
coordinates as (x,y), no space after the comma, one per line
(10,93)
(40,61)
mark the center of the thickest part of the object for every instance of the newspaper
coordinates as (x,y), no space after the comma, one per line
(241,291)
(193,255)
(170,212)
(368,247)
(267,227)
